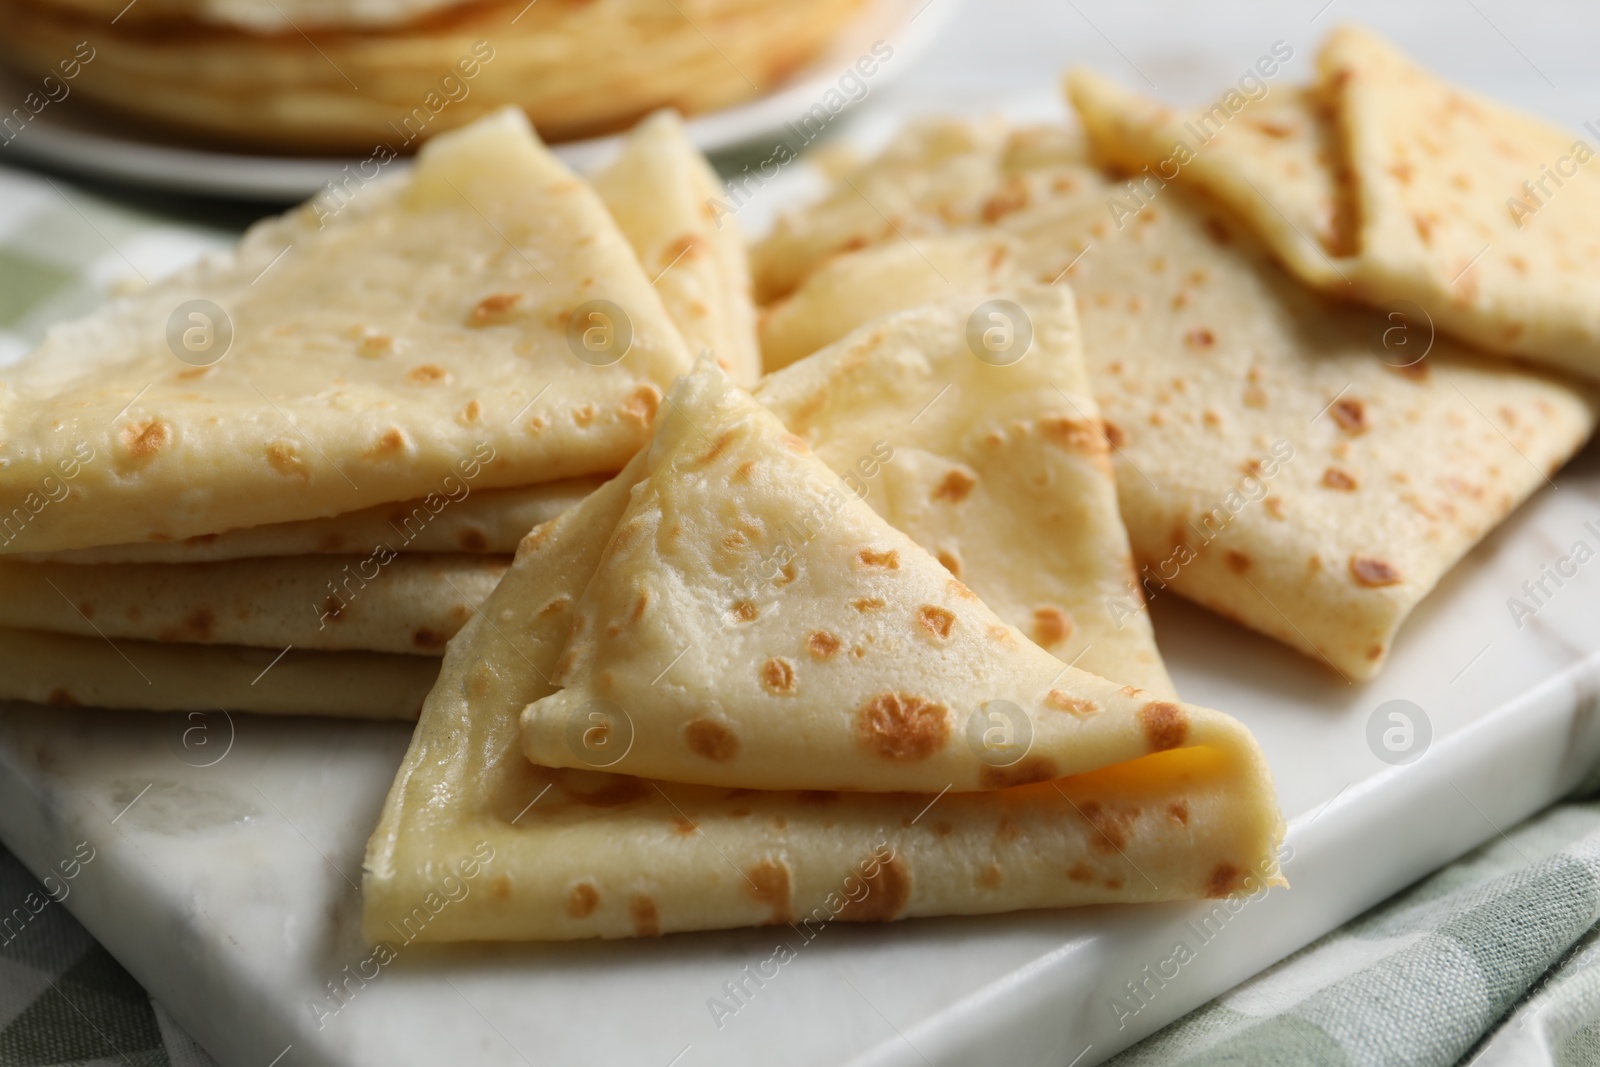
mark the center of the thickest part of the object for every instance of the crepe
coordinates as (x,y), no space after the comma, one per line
(829,650)
(67,671)
(458,520)
(561,854)
(1487,217)
(1002,472)
(433,331)
(1385,184)
(1277,459)
(1274,160)
(661,192)
(377,76)
(383,602)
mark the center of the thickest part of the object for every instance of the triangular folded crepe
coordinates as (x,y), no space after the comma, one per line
(480,317)
(1277,459)
(570,854)
(380,602)
(1486,216)
(455,520)
(63,670)
(1001,471)
(1274,160)
(1384,183)
(759,625)
(662,194)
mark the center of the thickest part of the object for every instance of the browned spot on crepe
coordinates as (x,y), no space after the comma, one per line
(937,621)
(822,644)
(901,727)
(1165,725)
(1110,828)
(1372,572)
(427,374)
(582,899)
(493,307)
(1350,414)
(646,917)
(955,486)
(141,441)
(1065,701)
(711,739)
(888,890)
(1225,880)
(778,675)
(769,882)
(1050,625)
(1077,435)
(888,559)
(1340,479)
(641,404)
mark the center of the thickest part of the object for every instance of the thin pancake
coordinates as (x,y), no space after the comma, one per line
(424,332)
(573,854)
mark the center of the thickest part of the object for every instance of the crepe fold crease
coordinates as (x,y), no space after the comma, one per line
(1165,800)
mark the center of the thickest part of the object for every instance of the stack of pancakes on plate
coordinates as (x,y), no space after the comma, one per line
(348,75)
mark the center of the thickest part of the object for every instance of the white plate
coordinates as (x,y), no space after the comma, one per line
(88,142)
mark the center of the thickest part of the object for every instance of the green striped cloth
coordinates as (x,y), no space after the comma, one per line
(1494,960)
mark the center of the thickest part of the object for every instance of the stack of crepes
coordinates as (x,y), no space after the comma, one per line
(325,445)
(379,76)
(839,648)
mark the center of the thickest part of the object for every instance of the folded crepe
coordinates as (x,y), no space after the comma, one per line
(63,670)
(759,625)
(1385,183)
(1273,160)
(479,318)
(661,191)
(566,853)
(999,467)
(1277,459)
(455,520)
(381,602)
